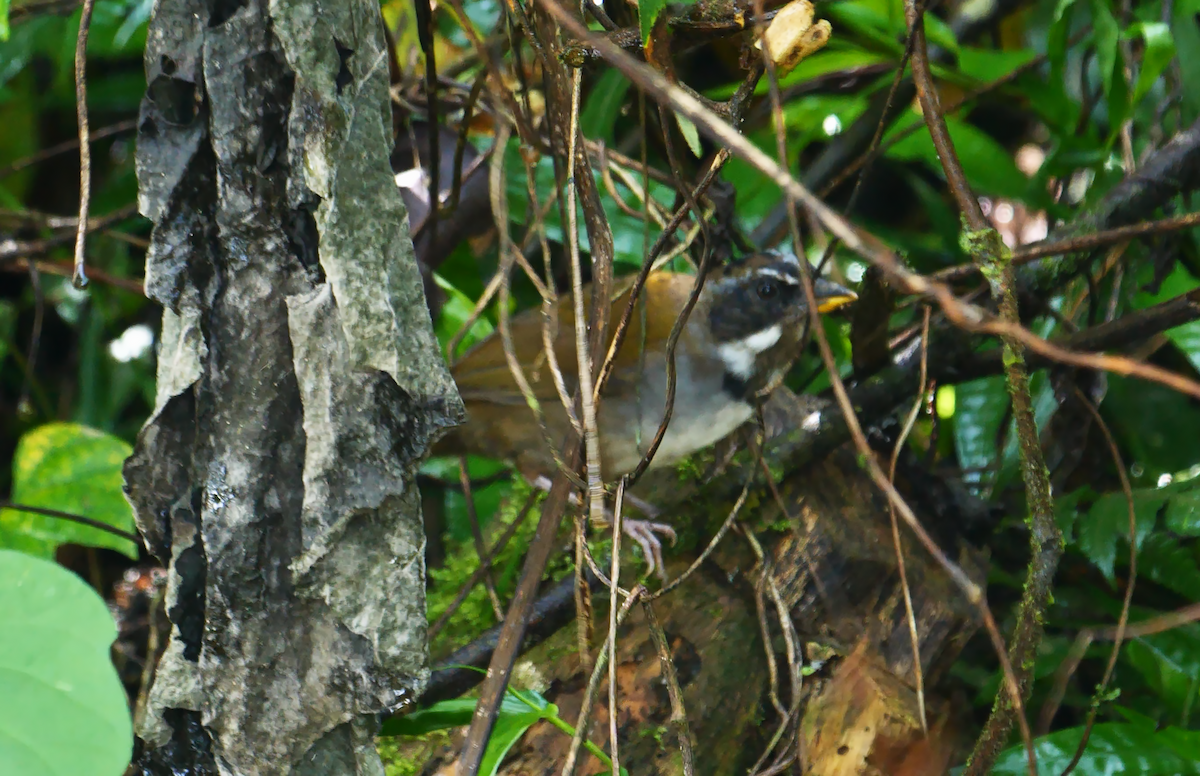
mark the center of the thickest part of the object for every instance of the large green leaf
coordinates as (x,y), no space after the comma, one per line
(454,314)
(989,168)
(1157,427)
(1114,747)
(1169,662)
(979,409)
(70,468)
(1187,336)
(64,710)
(1106,34)
(988,65)
(1186,34)
(1158,53)
(1165,561)
(603,105)
(1106,525)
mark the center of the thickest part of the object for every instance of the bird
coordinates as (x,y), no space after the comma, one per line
(740,339)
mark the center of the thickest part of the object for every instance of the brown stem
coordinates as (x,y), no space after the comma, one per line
(79,277)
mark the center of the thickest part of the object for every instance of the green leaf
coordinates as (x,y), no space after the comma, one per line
(988,65)
(979,409)
(3,20)
(648,12)
(454,314)
(1169,662)
(64,709)
(1106,525)
(444,715)
(603,105)
(1186,34)
(939,33)
(1056,38)
(518,711)
(1158,53)
(872,26)
(74,469)
(1113,747)
(988,166)
(1165,561)
(689,134)
(1187,336)
(1183,512)
(1106,33)
(1157,427)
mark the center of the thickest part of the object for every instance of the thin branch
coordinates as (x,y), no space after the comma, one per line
(11,250)
(1123,620)
(901,566)
(484,566)
(74,519)
(120,128)
(1077,244)
(678,719)
(85,144)
(589,694)
(464,479)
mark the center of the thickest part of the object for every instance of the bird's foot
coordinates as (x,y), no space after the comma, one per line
(645,533)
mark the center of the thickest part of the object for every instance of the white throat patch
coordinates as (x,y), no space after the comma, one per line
(739,355)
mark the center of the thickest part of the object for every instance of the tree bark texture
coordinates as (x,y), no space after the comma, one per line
(828,545)
(299,384)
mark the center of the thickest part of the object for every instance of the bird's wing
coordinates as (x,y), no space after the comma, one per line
(483,373)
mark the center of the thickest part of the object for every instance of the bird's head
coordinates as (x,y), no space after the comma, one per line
(757,312)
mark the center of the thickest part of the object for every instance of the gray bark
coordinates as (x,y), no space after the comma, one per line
(299,384)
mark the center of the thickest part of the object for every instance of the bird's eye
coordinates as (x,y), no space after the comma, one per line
(768,289)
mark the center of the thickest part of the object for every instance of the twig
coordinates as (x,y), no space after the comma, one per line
(11,250)
(613,743)
(85,145)
(119,128)
(767,580)
(1123,620)
(910,421)
(464,479)
(589,694)
(74,519)
(678,718)
(1084,242)
(67,269)
(729,520)
(484,566)
(513,630)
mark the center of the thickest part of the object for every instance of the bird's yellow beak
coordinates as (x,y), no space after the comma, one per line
(831,296)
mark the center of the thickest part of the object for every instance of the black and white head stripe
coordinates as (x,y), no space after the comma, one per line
(751,299)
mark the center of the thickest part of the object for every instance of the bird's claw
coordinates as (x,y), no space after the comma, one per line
(644,533)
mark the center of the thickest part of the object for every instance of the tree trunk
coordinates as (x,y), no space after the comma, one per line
(298,386)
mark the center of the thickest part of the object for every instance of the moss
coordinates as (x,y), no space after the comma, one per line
(404,756)
(692,468)
(475,613)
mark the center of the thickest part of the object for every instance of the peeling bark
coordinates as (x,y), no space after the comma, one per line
(299,384)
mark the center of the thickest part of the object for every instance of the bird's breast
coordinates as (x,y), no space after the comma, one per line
(703,413)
